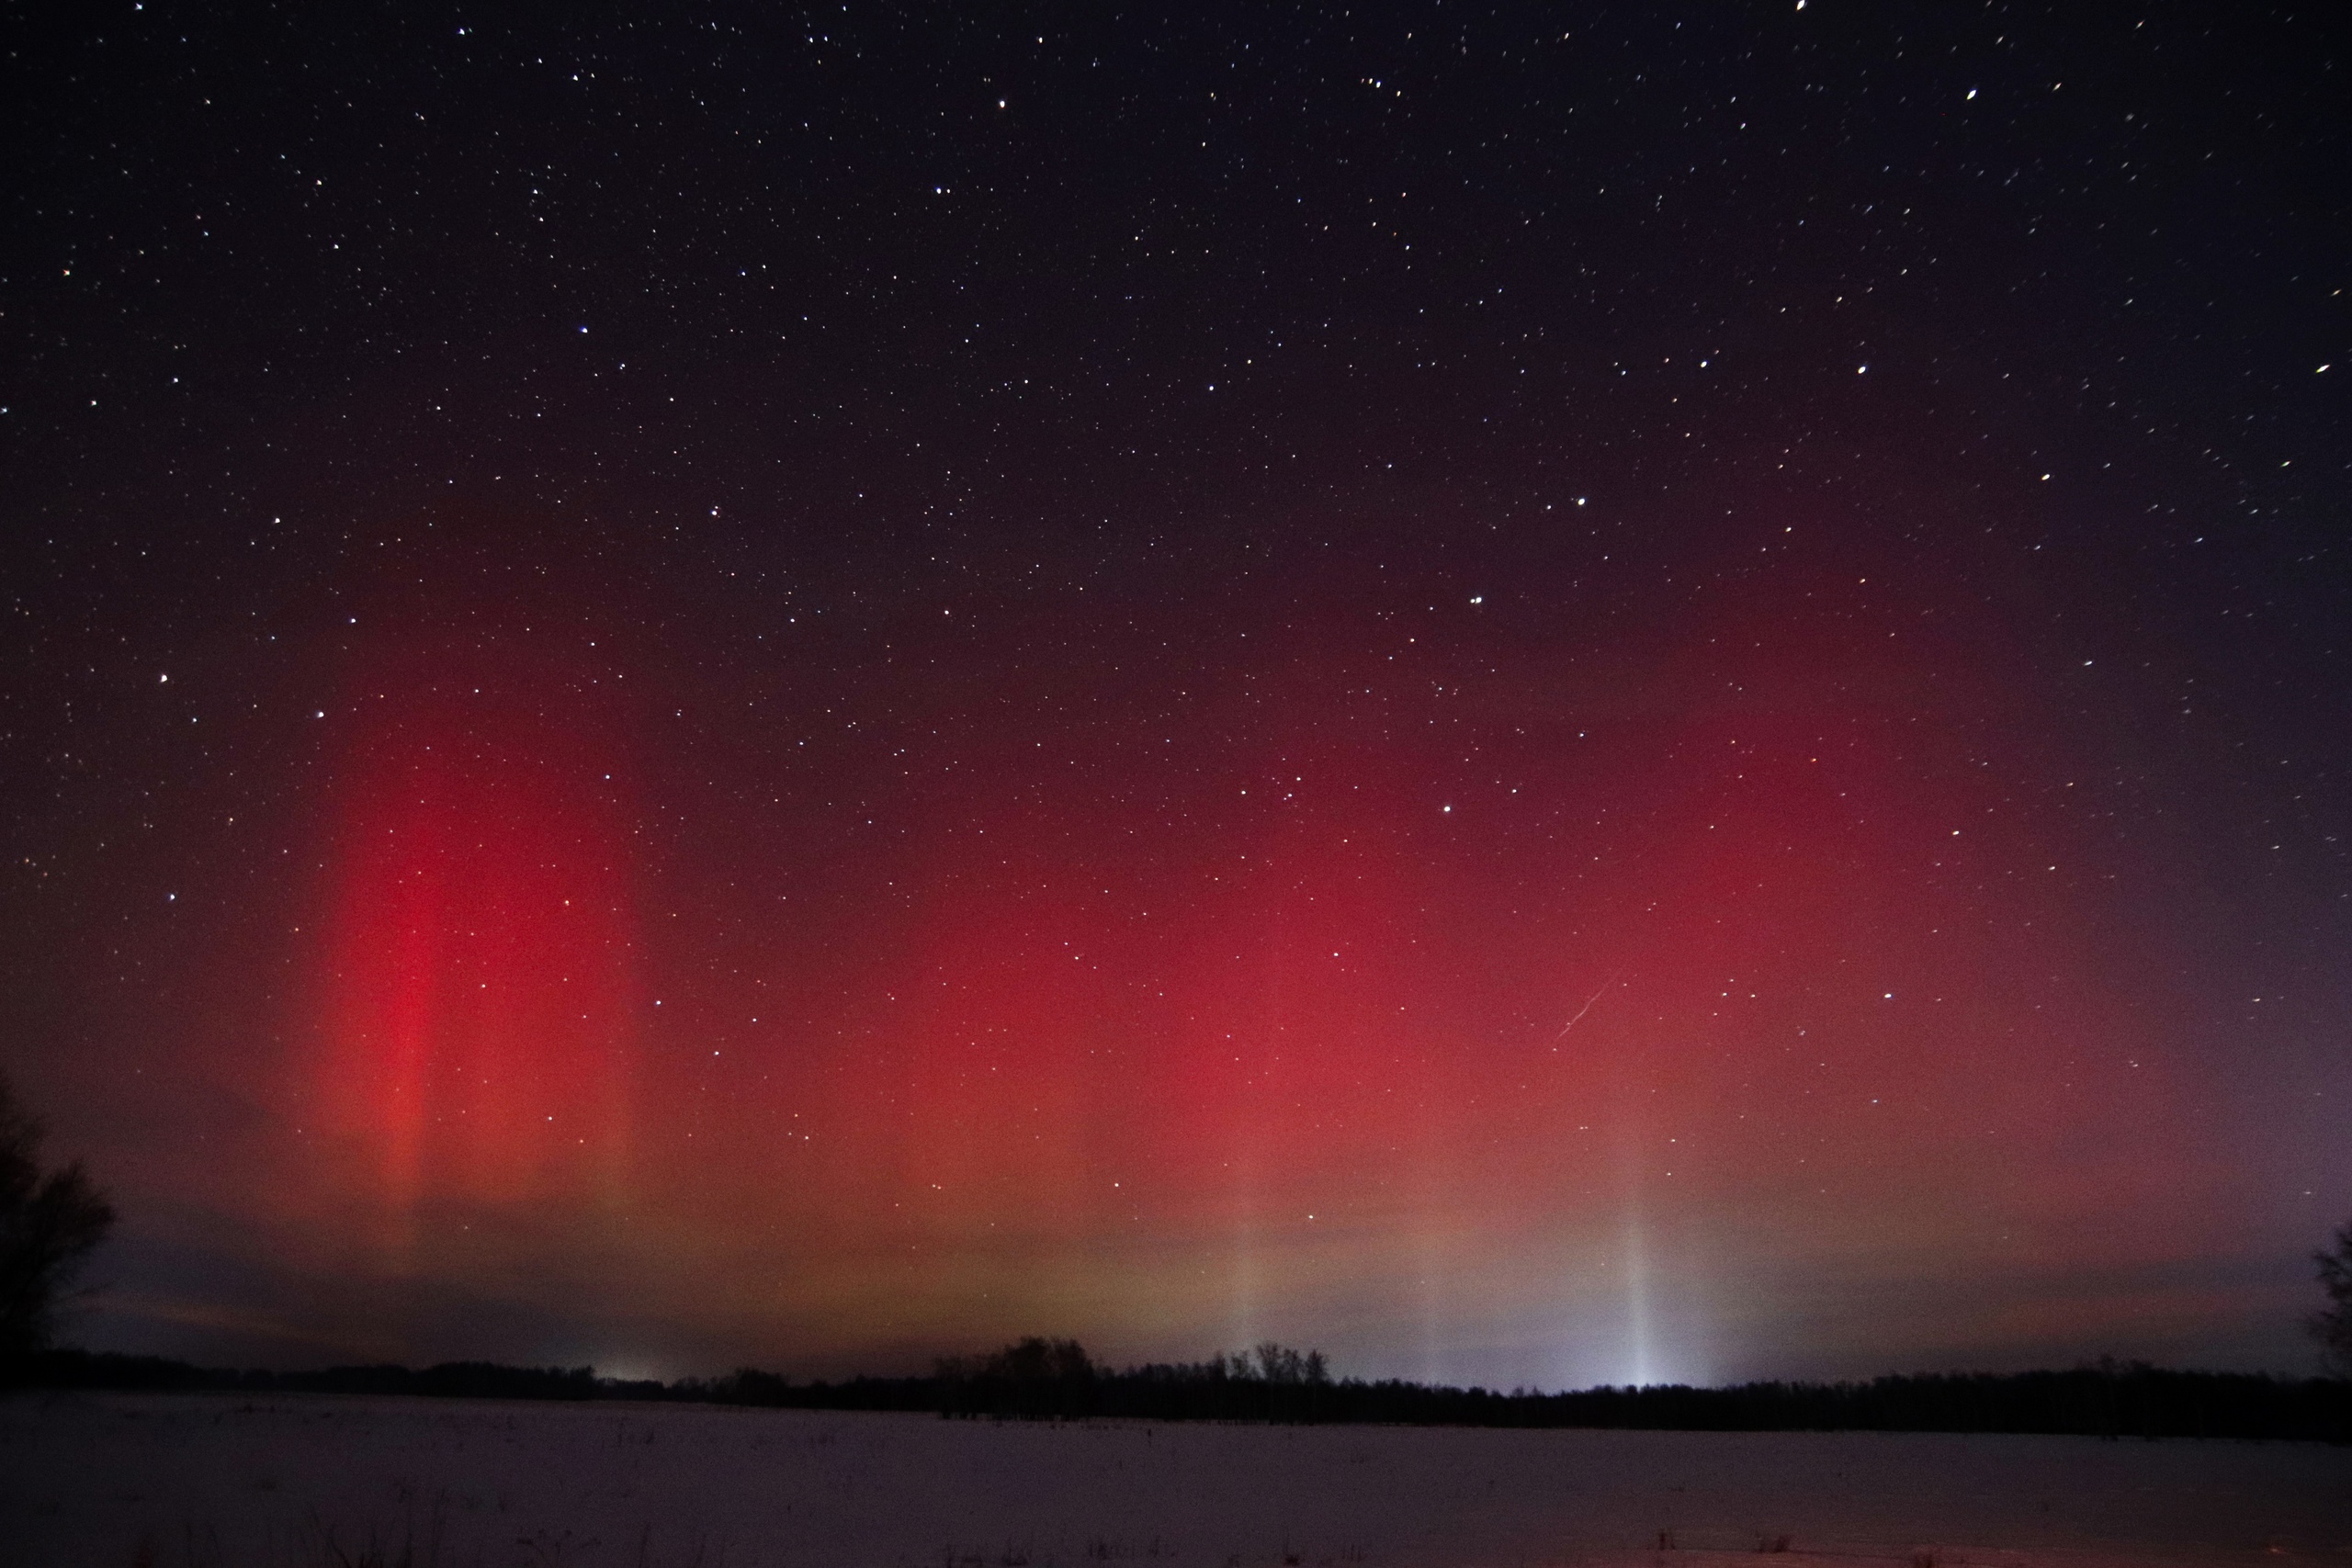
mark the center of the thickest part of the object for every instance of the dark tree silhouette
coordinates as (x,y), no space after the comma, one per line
(2332,1325)
(1032,1378)
(1277,1363)
(49,1223)
(1035,1360)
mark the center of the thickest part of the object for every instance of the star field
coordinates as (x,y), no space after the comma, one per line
(1542,695)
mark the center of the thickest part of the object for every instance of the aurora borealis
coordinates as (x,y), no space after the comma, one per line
(1650,697)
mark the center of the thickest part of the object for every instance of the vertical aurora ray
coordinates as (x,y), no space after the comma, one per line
(479,1021)
(1640,1369)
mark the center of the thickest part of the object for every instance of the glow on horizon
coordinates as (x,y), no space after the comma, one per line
(1013,1073)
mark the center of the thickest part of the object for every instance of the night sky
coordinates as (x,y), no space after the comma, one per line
(1542,693)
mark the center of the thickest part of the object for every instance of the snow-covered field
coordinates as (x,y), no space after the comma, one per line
(110,1482)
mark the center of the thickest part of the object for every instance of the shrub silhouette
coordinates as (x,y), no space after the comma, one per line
(2332,1325)
(49,1223)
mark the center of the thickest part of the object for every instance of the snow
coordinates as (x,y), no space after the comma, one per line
(93,1481)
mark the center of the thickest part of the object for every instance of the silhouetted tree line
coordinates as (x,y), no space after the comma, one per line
(51,1220)
(450,1379)
(1054,1377)
(1056,1380)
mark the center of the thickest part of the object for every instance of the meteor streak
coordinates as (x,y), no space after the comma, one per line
(1588,1007)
